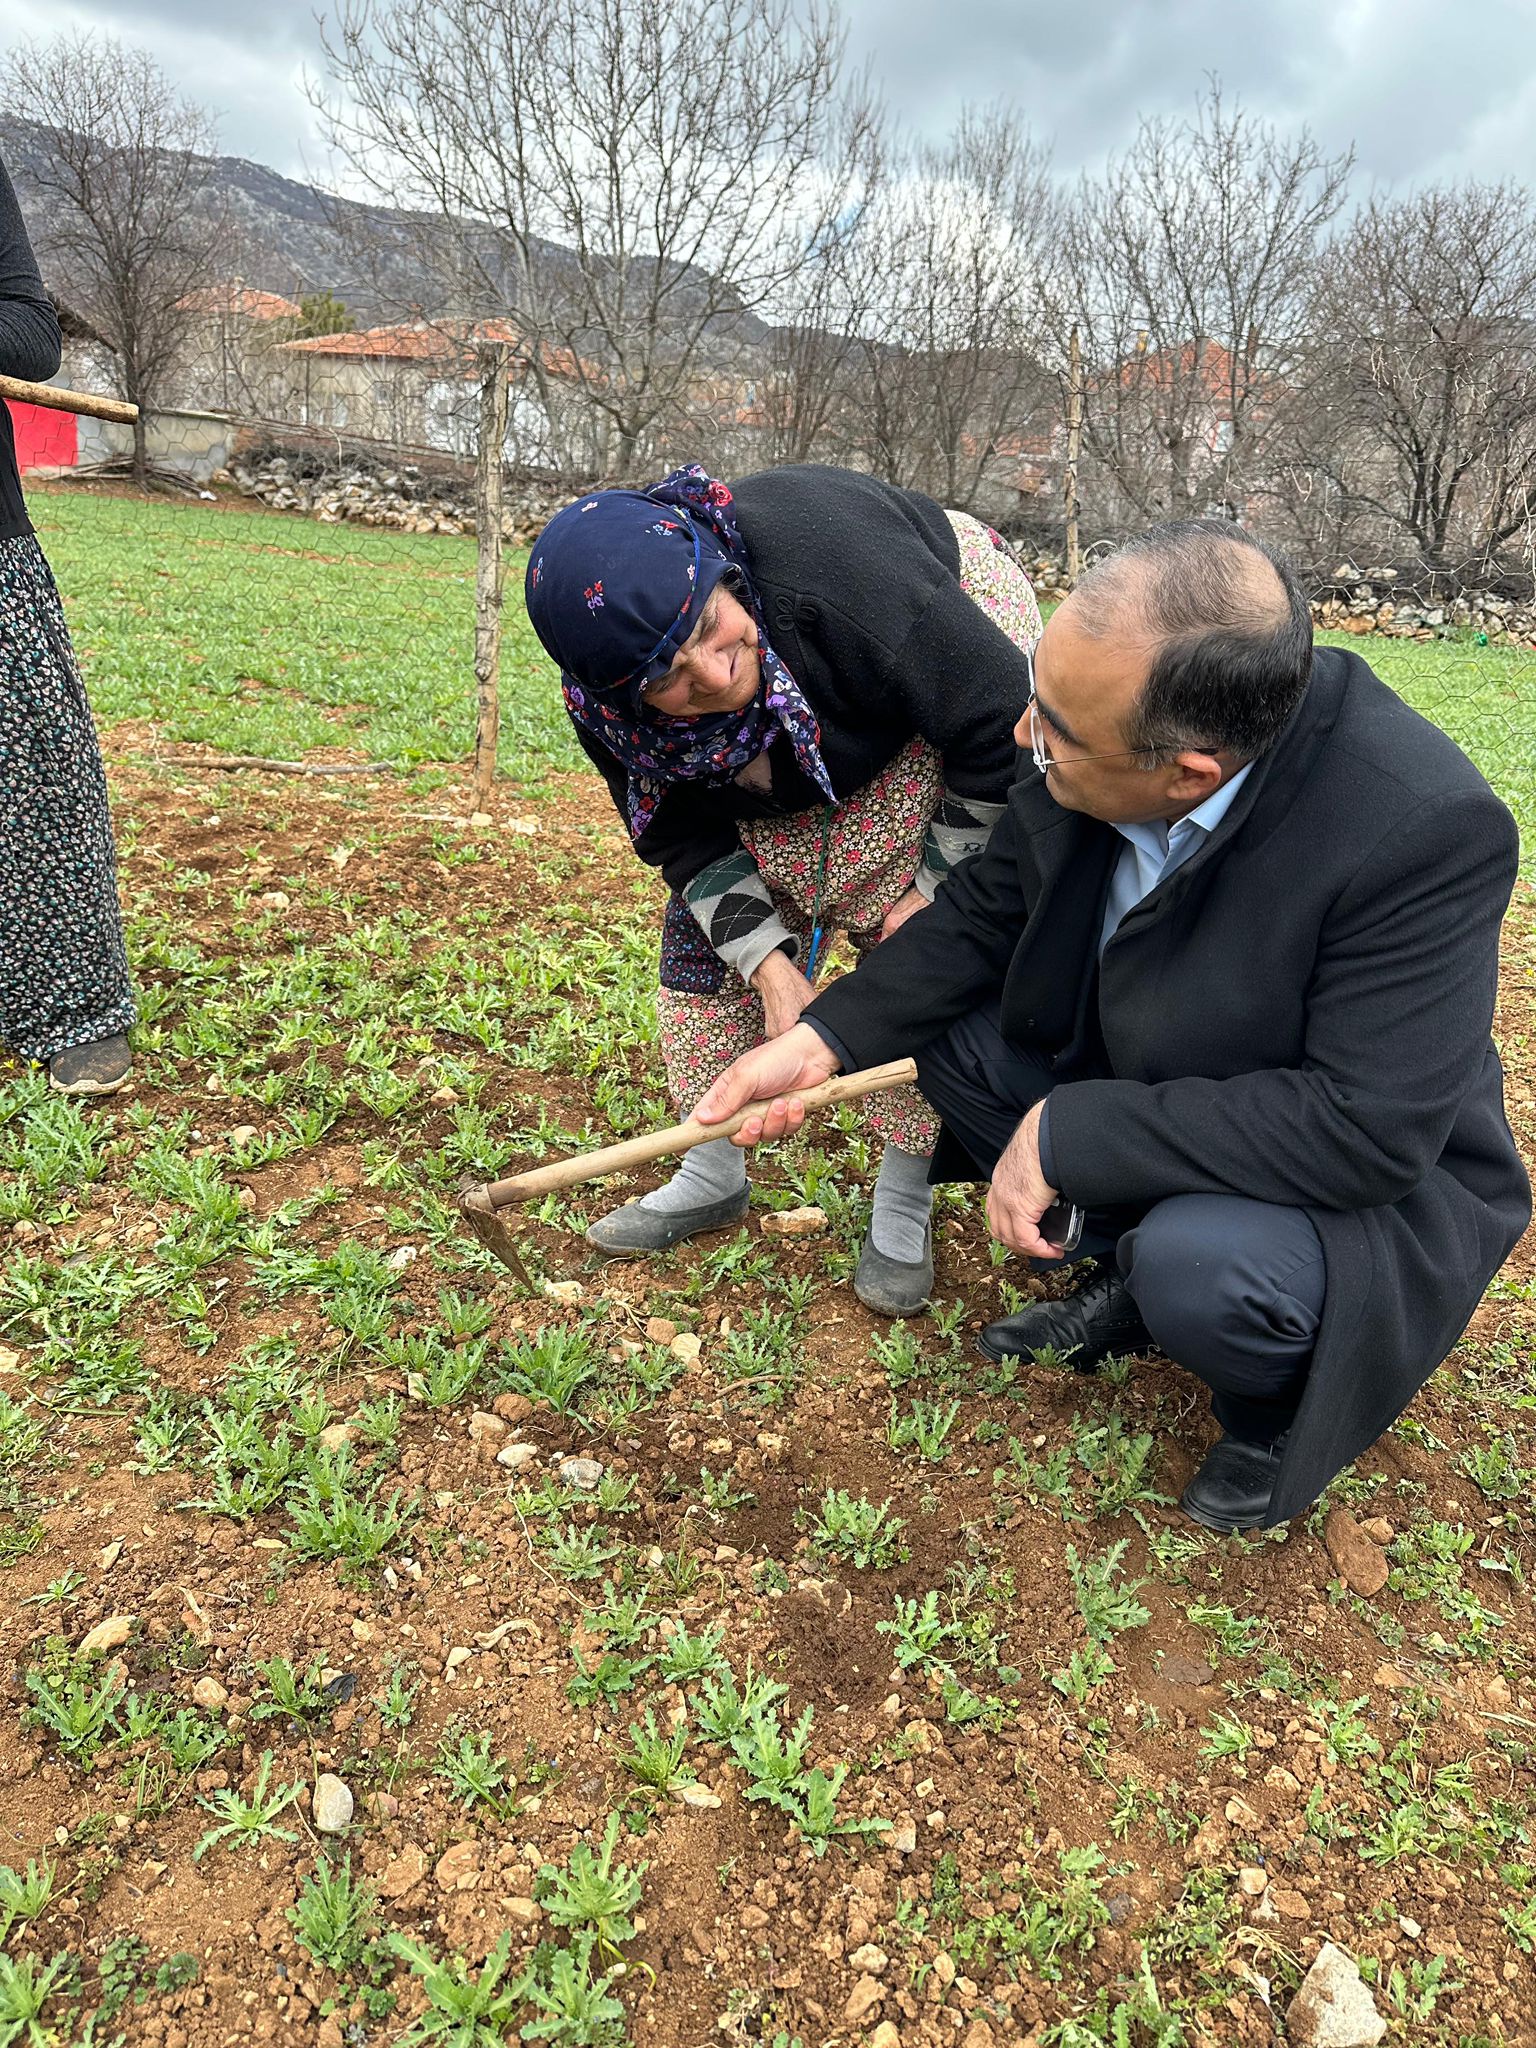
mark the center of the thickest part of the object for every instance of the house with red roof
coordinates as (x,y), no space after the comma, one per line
(416,383)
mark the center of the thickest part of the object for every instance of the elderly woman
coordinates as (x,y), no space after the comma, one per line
(802,697)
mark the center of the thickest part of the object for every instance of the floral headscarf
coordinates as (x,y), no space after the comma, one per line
(615,585)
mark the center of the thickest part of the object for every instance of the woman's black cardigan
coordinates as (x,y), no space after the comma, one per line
(29,344)
(860,587)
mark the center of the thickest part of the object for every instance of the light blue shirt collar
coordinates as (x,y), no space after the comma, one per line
(1153,851)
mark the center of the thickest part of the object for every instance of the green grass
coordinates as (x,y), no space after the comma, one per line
(1484,697)
(267,633)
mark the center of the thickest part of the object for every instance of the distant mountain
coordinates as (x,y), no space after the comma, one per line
(292,238)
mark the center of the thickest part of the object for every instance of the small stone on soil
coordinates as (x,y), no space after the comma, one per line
(885,2036)
(516,1456)
(585,1474)
(874,1961)
(455,1870)
(1360,1563)
(568,1291)
(807,1222)
(404,1873)
(332,1808)
(863,1999)
(698,1797)
(110,1634)
(208,1693)
(1333,2008)
(660,1331)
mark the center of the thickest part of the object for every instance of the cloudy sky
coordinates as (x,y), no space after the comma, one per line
(1421,89)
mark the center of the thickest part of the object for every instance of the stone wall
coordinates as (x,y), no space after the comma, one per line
(439,497)
(413,497)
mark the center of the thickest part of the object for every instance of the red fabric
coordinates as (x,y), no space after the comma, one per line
(44,438)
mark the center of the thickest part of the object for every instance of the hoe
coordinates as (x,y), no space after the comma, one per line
(486,1208)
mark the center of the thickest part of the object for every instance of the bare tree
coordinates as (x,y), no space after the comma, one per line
(126,228)
(811,387)
(629,181)
(1187,267)
(1414,406)
(942,290)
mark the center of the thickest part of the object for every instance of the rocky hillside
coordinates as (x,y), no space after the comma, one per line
(289,237)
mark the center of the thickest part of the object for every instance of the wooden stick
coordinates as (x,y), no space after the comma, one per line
(228,764)
(489,563)
(60,400)
(570,1173)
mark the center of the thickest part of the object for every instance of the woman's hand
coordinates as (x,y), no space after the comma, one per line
(774,1073)
(904,907)
(784,990)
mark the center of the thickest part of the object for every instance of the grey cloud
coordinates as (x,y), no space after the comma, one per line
(1419,91)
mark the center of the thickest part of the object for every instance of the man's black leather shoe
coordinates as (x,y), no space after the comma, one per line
(1099,1321)
(1233,1488)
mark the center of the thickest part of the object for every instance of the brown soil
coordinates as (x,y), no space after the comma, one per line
(741,1922)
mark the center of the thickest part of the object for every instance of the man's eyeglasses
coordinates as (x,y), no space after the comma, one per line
(1043,760)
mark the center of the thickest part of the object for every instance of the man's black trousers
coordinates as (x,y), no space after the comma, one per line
(1231,1289)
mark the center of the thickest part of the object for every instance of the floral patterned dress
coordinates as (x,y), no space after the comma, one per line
(863,853)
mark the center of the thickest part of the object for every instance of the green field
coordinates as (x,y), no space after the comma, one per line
(268,633)
(681,1653)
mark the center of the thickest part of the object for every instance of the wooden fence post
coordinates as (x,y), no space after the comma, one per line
(1074,449)
(492,361)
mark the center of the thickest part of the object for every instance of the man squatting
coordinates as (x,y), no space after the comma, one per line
(1223,976)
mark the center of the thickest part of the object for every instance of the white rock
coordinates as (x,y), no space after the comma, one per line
(332,1808)
(1334,2007)
(516,1456)
(807,1222)
(585,1474)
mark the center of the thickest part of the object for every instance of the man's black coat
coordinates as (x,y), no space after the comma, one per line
(1301,1013)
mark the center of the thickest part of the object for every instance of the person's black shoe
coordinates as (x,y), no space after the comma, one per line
(100,1068)
(1099,1321)
(1233,1488)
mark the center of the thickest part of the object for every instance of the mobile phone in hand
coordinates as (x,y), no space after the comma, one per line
(1062,1226)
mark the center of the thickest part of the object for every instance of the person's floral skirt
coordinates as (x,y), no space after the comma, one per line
(63,971)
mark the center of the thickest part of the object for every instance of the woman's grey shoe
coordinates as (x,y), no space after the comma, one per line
(891,1287)
(634,1230)
(97,1069)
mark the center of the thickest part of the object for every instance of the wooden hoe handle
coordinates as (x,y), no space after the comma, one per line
(570,1173)
(54,395)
